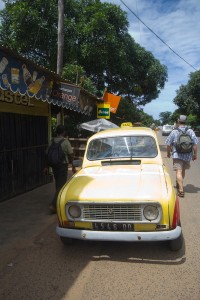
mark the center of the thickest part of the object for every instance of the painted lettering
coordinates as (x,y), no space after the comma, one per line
(24,100)
(64,96)
(8,97)
(15,98)
(1,95)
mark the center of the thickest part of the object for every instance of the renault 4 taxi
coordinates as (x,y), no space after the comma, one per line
(122,192)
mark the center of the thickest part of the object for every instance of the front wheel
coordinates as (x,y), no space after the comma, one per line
(176,244)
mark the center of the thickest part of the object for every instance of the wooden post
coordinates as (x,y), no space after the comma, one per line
(60,36)
(60,119)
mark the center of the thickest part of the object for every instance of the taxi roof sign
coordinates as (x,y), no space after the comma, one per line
(127,124)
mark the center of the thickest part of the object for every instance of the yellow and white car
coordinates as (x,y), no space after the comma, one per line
(123,192)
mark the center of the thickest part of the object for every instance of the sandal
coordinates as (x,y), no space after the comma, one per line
(181,194)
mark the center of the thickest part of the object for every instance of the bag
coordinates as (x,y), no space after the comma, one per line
(55,154)
(184,143)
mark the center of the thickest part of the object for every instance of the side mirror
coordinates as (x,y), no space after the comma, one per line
(77,163)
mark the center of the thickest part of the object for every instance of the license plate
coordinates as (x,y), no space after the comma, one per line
(113,226)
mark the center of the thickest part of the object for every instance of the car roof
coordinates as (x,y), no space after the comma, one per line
(124,131)
(167,125)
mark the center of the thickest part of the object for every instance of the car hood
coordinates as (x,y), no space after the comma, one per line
(118,183)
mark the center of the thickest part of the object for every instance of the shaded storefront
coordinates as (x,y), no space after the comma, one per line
(29,96)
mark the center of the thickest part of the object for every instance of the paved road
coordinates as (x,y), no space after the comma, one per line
(44,269)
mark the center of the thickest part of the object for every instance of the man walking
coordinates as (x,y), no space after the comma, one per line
(181,160)
(60,170)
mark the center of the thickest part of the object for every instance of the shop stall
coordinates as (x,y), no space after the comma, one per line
(29,95)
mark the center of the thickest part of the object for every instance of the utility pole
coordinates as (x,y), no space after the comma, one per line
(60,117)
(60,36)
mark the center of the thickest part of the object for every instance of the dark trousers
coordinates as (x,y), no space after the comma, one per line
(60,176)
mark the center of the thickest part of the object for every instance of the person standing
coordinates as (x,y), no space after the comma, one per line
(60,171)
(181,161)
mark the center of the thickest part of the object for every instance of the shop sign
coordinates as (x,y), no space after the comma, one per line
(103,111)
(113,100)
(20,77)
(15,103)
(127,124)
(63,92)
(9,97)
(24,79)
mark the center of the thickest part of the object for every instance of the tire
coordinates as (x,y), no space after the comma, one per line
(65,241)
(176,244)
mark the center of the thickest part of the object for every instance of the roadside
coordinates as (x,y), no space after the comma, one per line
(23,218)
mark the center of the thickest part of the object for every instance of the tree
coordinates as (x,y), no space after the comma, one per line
(187,96)
(165,117)
(96,39)
(76,74)
(146,119)
(30,27)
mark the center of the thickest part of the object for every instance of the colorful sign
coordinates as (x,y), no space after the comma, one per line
(26,79)
(113,100)
(22,104)
(65,93)
(20,77)
(103,111)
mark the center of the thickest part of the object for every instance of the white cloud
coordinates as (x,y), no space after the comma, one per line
(176,22)
(2,5)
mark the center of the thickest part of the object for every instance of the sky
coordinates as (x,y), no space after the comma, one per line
(177,23)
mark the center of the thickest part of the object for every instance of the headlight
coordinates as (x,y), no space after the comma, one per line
(74,211)
(151,212)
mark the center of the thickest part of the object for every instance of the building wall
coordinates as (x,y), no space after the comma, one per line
(24,135)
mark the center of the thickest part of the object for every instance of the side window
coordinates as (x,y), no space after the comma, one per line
(99,149)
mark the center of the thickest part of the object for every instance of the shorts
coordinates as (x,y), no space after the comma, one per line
(179,164)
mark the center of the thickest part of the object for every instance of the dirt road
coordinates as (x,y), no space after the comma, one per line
(45,269)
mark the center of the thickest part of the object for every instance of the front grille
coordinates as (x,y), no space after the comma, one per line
(117,212)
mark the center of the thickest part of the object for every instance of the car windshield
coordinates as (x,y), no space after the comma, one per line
(122,147)
(168,127)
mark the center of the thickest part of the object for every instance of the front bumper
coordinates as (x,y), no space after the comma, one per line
(133,236)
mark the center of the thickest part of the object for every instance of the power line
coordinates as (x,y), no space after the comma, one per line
(158,36)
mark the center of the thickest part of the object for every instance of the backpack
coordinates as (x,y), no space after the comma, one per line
(55,154)
(184,143)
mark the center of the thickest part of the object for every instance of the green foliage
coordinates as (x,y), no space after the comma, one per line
(187,97)
(157,123)
(192,120)
(53,126)
(165,117)
(75,74)
(96,37)
(146,119)
(30,27)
